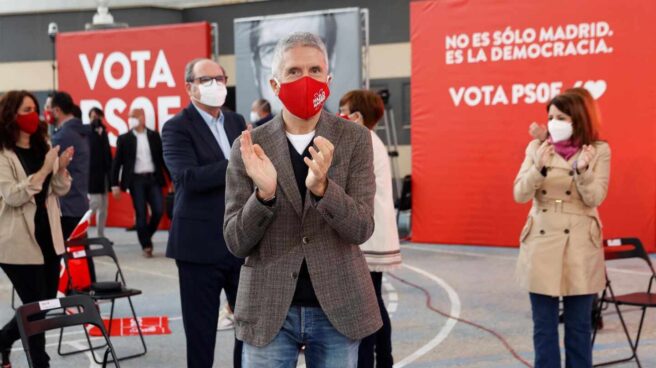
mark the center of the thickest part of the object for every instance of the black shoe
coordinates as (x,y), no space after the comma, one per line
(5,358)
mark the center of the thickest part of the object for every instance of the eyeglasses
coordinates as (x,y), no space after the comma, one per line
(207,81)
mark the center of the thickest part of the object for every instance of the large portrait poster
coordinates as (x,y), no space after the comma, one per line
(256,38)
(483,71)
(118,70)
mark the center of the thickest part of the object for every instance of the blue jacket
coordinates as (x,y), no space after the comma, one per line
(198,170)
(74,133)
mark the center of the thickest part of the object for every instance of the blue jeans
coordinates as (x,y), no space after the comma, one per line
(325,347)
(145,191)
(578,330)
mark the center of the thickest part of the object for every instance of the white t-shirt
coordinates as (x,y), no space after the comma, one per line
(300,141)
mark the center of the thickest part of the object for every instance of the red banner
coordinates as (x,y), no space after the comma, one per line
(482,71)
(118,70)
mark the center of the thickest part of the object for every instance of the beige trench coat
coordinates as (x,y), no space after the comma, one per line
(17,209)
(561,250)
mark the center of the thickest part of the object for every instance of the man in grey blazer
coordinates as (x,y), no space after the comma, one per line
(299,200)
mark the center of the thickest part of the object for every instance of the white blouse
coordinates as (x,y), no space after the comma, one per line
(382,250)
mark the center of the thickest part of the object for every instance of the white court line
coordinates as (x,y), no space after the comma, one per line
(509,258)
(614,269)
(56,335)
(448,326)
(152,273)
(446,329)
(444,332)
(93,338)
(78,345)
(459,253)
(392,296)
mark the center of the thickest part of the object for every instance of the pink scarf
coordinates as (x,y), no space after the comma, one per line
(567,149)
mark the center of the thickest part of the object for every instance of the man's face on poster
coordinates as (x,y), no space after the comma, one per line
(267,35)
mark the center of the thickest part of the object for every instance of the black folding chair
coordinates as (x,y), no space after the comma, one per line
(625,248)
(404,202)
(32,319)
(112,290)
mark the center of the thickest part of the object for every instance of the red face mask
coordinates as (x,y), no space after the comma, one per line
(28,123)
(50,118)
(344,116)
(304,97)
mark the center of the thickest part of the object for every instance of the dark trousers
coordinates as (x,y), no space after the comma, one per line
(33,283)
(381,340)
(578,331)
(145,191)
(200,295)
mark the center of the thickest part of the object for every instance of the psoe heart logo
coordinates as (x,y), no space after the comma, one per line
(596,88)
(319,98)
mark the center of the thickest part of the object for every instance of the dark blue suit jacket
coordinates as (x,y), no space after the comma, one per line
(198,170)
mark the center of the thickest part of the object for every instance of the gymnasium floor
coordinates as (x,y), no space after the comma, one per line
(474,283)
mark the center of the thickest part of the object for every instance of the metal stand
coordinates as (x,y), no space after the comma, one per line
(391,142)
(53,29)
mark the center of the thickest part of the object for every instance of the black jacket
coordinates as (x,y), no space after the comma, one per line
(198,170)
(126,156)
(100,160)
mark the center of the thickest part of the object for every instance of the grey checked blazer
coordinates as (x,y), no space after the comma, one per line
(326,233)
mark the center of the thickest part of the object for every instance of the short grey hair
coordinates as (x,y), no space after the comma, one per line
(189,68)
(296,39)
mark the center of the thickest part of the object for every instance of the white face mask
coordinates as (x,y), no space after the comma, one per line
(254,116)
(560,130)
(133,123)
(213,95)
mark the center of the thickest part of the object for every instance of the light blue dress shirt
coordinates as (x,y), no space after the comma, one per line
(217,128)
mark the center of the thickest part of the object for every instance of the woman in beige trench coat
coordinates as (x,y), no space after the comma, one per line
(561,252)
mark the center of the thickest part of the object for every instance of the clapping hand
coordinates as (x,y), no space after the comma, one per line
(258,166)
(66,158)
(538,131)
(317,179)
(544,154)
(588,152)
(49,160)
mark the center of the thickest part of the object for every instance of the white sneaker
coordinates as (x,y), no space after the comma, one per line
(226,319)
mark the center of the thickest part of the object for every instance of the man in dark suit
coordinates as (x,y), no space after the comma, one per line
(196,150)
(140,165)
(100,159)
